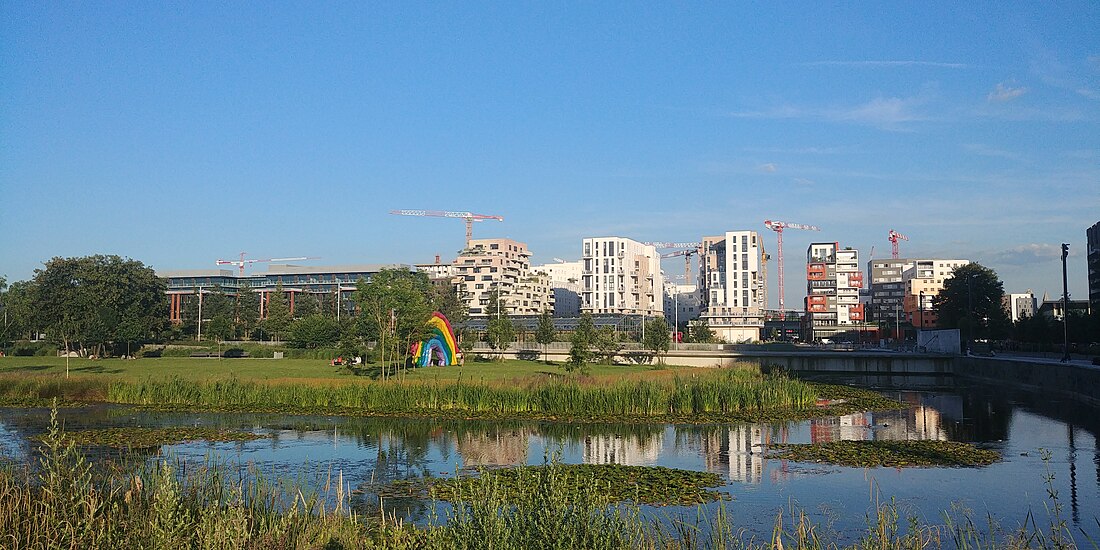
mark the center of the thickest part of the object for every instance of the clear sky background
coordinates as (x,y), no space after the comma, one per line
(179,133)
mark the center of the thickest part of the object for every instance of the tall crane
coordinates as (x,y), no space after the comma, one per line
(894,237)
(690,249)
(778,227)
(249,261)
(468,217)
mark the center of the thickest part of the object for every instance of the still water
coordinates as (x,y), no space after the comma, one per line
(372,451)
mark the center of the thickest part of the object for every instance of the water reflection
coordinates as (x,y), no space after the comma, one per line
(371,452)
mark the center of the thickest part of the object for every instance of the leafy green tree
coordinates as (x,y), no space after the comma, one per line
(277,312)
(545,333)
(305,305)
(580,343)
(501,332)
(246,315)
(19,311)
(497,305)
(971,301)
(315,331)
(657,338)
(395,310)
(445,299)
(698,332)
(82,301)
(607,344)
(220,327)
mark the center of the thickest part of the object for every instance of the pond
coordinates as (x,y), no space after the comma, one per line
(368,452)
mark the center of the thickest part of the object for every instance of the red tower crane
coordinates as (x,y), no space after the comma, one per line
(778,227)
(243,261)
(894,237)
(468,217)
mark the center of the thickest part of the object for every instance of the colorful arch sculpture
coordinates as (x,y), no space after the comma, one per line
(441,347)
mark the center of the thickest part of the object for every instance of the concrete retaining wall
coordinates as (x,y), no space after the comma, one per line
(1078,382)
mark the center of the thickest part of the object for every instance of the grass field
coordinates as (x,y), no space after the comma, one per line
(317,369)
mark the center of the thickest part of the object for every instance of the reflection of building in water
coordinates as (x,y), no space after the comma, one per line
(617,449)
(920,422)
(850,427)
(494,448)
(746,453)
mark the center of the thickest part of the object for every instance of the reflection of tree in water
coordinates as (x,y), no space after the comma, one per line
(986,418)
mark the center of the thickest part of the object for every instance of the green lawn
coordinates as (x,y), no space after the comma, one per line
(315,369)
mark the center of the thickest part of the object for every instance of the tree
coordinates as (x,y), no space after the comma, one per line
(607,344)
(83,300)
(277,312)
(657,338)
(18,314)
(246,316)
(500,333)
(699,333)
(496,305)
(395,312)
(314,331)
(580,343)
(545,332)
(971,301)
(220,327)
(305,304)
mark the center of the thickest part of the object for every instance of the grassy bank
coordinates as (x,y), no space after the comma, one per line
(716,395)
(64,503)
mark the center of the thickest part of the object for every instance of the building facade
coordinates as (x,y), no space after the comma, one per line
(621,276)
(732,285)
(565,283)
(925,278)
(1020,306)
(886,291)
(683,303)
(502,266)
(330,284)
(1092,235)
(833,280)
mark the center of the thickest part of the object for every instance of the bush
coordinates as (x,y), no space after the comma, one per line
(25,348)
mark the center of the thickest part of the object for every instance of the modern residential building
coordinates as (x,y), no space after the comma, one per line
(1053,310)
(732,286)
(833,280)
(1093,258)
(1020,306)
(683,303)
(437,270)
(885,288)
(621,276)
(322,282)
(504,266)
(565,282)
(923,280)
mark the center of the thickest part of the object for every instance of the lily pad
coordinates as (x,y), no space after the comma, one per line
(899,454)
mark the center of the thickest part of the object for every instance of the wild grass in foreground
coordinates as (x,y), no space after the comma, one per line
(65,503)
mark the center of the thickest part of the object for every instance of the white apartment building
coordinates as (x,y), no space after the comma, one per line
(1020,306)
(683,303)
(833,280)
(565,283)
(621,276)
(733,288)
(503,265)
(927,277)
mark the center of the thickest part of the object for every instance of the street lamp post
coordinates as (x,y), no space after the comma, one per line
(969,313)
(920,304)
(1065,306)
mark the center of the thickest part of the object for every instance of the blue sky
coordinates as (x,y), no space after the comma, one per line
(180,133)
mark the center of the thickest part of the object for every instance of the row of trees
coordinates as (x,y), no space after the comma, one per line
(971,302)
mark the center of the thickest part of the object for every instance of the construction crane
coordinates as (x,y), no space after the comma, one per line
(778,227)
(894,238)
(673,245)
(468,217)
(249,261)
(687,254)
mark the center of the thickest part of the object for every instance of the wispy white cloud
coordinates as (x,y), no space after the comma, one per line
(881,112)
(888,63)
(888,113)
(801,150)
(987,151)
(1002,92)
(1026,254)
(1089,93)
(768,167)
(802,181)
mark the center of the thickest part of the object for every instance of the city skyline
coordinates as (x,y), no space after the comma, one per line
(178,135)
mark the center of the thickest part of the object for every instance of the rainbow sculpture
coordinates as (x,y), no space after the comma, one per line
(440,348)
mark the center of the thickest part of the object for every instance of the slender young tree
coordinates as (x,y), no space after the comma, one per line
(545,332)
(657,338)
(501,332)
